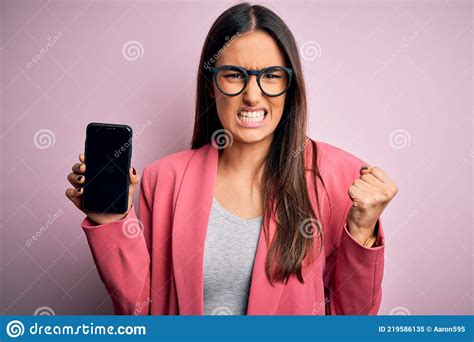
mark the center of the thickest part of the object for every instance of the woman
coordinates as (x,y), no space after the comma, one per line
(255,218)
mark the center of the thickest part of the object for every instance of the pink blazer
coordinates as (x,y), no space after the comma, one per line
(159,271)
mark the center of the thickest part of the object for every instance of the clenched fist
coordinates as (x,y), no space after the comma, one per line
(370,194)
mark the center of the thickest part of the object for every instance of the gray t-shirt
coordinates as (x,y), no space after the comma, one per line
(229,254)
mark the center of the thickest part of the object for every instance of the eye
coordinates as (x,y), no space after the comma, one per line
(272,76)
(233,76)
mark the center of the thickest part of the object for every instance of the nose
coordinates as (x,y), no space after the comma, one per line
(252,92)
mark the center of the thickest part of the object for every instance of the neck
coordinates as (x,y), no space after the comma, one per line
(244,158)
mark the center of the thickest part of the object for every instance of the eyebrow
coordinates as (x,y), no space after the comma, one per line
(258,69)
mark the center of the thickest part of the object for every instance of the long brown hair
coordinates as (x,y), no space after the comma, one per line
(284,175)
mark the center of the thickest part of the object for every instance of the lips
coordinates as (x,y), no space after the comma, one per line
(252,117)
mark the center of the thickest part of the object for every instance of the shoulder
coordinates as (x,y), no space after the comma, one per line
(333,159)
(171,167)
(338,169)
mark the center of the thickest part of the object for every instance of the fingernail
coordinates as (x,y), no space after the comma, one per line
(134,172)
(79,179)
(365,167)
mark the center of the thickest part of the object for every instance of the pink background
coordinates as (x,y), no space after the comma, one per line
(390,82)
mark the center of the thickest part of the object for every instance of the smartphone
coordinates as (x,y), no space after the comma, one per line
(108,153)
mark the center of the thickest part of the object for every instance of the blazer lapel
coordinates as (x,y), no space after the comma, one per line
(190,220)
(191,216)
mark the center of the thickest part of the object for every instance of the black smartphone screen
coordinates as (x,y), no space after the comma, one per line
(108,153)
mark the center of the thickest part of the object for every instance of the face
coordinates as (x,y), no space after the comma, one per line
(242,114)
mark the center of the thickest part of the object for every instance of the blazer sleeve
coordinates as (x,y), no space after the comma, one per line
(121,252)
(353,275)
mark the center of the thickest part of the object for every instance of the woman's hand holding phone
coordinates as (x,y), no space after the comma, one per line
(77,178)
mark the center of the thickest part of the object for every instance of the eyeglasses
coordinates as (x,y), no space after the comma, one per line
(231,80)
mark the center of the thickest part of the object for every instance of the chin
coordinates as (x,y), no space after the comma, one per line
(251,137)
